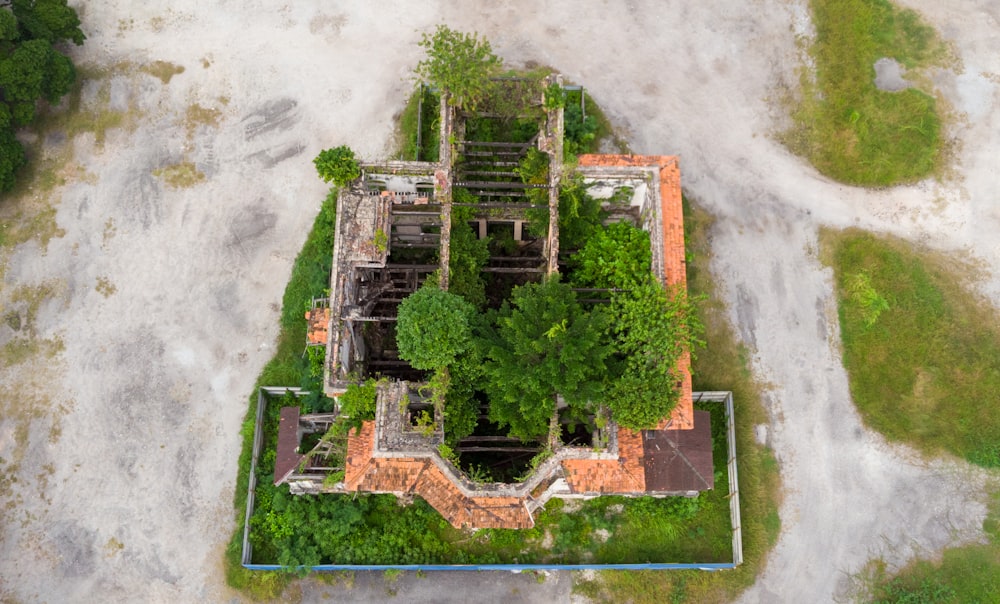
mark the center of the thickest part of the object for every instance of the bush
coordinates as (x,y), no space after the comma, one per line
(432,328)
(337,165)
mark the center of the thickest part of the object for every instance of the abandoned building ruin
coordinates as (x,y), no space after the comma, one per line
(386,221)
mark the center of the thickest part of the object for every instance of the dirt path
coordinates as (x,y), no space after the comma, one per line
(165,300)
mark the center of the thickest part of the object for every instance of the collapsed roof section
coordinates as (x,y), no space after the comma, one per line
(393,230)
(398,207)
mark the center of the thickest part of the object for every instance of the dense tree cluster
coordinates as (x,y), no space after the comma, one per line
(543,345)
(32,69)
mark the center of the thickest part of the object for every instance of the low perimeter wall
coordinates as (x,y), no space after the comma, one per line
(723,398)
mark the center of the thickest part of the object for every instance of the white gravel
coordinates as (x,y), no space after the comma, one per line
(132,499)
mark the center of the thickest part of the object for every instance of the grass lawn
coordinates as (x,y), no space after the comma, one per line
(923,357)
(721,365)
(429,121)
(921,351)
(844,125)
(963,574)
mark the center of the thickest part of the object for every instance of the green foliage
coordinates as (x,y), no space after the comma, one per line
(555,97)
(317,356)
(381,240)
(580,215)
(846,127)
(924,372)
(870,303)
(311,271)
(652,330)
(582,134)
(429,123)
(544,344)
(469,255)
(11,154)
(616,257)
(448,453)
(461,64)
(337,165)
(8,26)
(461,410)
(963,574)
(928,591)
(31,70)
(358,402)
(49,20)
(432,328)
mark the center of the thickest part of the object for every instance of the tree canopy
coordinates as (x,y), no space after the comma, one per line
(544,344)
(337,165)
(617,256)
(432,328)
(31,69)
(652,329)
(459,63)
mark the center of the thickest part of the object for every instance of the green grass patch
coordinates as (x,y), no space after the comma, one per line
(924,369)
(722,365)
(429,113)
(844,125)
(962,574)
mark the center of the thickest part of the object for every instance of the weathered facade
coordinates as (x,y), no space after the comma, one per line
(398,205)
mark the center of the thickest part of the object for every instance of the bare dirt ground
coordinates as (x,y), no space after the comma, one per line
(144,321)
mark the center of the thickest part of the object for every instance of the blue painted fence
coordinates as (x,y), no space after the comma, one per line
(726,398)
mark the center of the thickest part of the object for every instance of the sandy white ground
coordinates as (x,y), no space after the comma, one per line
(130,497)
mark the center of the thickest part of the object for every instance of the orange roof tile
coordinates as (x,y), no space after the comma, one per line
(421,476)
(318,320)
(623,475)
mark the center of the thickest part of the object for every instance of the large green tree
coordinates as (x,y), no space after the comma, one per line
(652,329)
(32,69)
(544,344)
(458,63)
(432,328)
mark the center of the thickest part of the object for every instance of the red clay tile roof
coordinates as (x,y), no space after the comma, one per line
(674,263)
(286,457)
(623,475)
(318,320)
(421,476)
